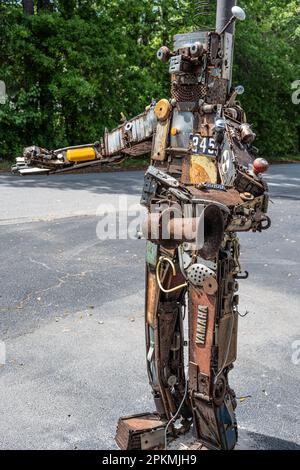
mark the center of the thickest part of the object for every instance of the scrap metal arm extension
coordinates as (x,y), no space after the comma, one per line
(132,138)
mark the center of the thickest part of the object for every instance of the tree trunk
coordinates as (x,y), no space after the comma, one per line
(44,5)
(28,7)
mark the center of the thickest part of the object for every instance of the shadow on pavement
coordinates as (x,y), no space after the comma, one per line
(254,441)
(98,183)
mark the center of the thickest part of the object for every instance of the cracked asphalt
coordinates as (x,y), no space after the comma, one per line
(71,310)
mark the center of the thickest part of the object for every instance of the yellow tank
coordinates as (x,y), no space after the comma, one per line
(81,154)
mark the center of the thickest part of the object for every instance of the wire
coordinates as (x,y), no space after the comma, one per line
(228,349)
(243,315)
(176,414)
(161,259)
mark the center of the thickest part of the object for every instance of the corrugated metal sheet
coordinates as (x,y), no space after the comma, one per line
(142,128)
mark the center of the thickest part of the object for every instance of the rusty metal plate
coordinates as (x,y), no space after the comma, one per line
(230,198)
(153,440)
(139,149)
(152,297)
(217,91)
(143,422)
(201,354)
(224,336)
(193,376)
(131,428)
(186,163)
(203,169)
(206,425)
(203,384)
(160,141)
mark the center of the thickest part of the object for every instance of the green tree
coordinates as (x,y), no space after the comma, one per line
(72,66)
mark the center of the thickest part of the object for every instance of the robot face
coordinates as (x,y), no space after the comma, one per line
(196,64)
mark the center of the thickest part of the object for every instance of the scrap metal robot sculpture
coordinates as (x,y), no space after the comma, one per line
(204,175)
(204,184)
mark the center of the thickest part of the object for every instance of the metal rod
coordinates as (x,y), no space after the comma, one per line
(224,14)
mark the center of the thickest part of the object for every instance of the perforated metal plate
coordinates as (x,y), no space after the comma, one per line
(197,273)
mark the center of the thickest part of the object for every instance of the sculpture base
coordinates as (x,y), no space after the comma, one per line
(141,432)
(147,432)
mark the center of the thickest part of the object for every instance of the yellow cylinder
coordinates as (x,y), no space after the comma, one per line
(81,154)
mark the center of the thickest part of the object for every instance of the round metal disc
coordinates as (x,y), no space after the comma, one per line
(219,390)
(210,286)
(162,110)
(172,380)
(247,196)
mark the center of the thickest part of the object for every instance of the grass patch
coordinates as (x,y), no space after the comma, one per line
(141,162)
(5,165)
(135,162)
(285,159)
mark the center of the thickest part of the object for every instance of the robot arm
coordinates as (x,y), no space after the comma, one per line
(130,139)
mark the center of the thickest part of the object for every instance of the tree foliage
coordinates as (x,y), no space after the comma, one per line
(72,66)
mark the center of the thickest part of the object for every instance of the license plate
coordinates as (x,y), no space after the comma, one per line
(203,145)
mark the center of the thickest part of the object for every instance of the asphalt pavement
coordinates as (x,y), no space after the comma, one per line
(72,315)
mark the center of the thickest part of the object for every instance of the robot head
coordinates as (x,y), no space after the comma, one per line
(201,61)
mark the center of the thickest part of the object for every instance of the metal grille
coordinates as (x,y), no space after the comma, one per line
(185,93)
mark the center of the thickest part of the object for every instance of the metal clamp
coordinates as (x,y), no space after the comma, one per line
(244,275)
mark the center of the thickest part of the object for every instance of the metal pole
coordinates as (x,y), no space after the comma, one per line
(224,14)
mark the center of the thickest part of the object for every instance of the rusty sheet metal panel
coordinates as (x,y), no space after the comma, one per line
(160,141)
(203,169)
(186,163)
(231,197)
(139,149)
(152,295)
(200,354)
(133,432)
(206,425)
(136,130)
(228,329)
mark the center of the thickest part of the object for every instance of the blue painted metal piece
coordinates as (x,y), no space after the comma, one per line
(151,253)
(227,424)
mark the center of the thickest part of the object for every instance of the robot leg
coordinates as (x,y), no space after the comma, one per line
(213,322)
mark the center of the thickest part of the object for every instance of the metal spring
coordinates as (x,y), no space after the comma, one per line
(202,7)
(202,13)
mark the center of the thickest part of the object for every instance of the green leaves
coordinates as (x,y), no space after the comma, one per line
(71,72)
(267,63)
